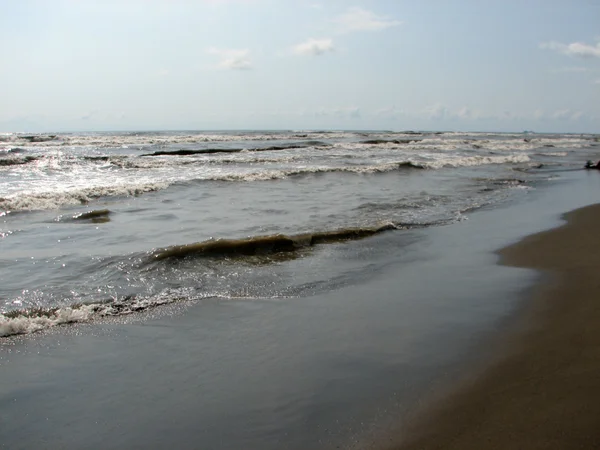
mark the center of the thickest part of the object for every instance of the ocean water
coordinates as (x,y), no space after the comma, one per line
(97,225)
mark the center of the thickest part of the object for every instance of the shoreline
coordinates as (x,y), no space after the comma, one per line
(538,392)
(341,368)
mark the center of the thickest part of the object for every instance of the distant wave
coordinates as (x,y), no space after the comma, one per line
(12,150)
(552,154)
(16,160)
(453,143)
(142,139)
(206,151)
(387,141)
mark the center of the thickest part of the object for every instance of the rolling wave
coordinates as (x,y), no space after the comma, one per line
(207,151)
(93,216)
(387,141)
(270,244)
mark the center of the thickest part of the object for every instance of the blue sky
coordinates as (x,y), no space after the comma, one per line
(294,64)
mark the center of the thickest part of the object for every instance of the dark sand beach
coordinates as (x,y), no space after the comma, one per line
(542,392)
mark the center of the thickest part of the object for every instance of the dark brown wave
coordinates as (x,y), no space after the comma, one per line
(387,141)
(264,245)
(16,161)
(94,216)
(206,151)
(39,138)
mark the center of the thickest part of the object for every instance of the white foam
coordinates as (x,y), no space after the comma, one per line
(476,161)
(54,199)
(25,324)
(554,153)
(416,163)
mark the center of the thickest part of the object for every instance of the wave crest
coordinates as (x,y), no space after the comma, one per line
(52,200)
(264,245)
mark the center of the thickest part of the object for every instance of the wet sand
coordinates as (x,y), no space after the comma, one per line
(544,391)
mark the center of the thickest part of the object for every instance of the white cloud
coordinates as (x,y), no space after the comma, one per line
(314,47)
(597,81)
(358,19)
(232,59)
(574,49)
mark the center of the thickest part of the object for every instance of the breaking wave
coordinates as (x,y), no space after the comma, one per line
(272,244)
(476,161)
(380,168)
(38,319)
(35,200)
(52,200)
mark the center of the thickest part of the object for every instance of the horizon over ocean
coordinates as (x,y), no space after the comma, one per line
(108,130)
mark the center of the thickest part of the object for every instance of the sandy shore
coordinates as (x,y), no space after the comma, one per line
(544,391)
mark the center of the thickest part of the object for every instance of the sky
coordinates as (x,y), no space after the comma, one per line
(464,65)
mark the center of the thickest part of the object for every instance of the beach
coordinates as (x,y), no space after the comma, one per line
(541,393)
(299,225)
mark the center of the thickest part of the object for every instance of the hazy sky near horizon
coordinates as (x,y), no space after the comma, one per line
(503,65)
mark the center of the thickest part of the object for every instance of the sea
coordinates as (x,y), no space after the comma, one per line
(100,225)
